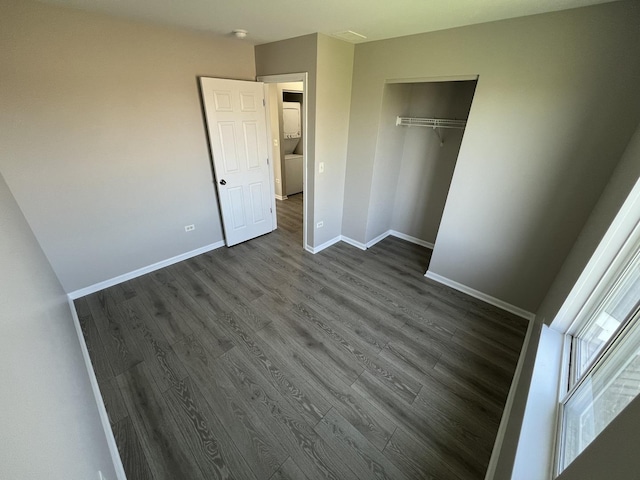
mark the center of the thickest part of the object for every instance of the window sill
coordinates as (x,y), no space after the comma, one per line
(535,453)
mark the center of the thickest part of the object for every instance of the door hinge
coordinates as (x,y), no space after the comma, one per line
(264,104)
(271,209)
(267,160)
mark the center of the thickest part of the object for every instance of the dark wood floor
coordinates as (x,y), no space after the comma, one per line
(263,361)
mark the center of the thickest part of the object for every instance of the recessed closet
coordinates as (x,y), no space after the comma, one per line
(420,134)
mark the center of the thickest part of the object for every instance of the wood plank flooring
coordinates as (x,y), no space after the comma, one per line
(263,361)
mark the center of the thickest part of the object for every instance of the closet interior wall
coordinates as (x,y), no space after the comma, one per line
(412,170)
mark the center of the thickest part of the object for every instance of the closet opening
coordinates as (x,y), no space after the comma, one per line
(420,133)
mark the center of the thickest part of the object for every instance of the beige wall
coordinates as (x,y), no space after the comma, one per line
(329,63)
(103,139)
(555,105)
(48,417)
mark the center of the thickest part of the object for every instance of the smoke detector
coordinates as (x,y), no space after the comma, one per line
(240,33)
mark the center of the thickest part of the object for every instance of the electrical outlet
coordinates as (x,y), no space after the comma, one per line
(278,181)
(320,225)
(321,167)
(275,142)
(189,228)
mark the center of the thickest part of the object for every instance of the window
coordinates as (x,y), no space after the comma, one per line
(604,373)
(606,320)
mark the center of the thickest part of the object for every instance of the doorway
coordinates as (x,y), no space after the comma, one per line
(290,162)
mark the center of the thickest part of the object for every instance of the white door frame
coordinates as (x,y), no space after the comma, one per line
(297,77)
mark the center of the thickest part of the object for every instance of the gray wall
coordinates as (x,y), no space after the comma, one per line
(329,63)
(333,101)
(426,168)
(612,198)
(388,157)
(49,421)
(103,140)
(555,105)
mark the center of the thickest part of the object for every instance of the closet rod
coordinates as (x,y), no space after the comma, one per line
(430,122)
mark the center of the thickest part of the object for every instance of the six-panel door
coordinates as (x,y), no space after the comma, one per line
(237,133)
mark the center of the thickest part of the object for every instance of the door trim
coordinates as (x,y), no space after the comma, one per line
(267,117)
(307,206)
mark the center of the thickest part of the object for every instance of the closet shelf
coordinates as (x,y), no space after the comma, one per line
(430,122)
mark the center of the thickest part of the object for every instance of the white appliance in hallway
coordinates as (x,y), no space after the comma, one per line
(293,162)
(293,165)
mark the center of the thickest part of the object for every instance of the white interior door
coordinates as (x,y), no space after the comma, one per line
(236,121)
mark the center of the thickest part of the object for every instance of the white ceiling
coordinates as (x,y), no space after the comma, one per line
(271,20)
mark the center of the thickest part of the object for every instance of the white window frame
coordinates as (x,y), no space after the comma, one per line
(617,249)
(605,355)
(536,452)
(629,255)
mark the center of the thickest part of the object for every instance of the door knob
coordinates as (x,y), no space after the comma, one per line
(223,182)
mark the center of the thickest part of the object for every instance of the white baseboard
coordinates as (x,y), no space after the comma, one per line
(326,244)
(379,238)
(280,197)
(394,233)
(409,238)
(370,243)
(102,411)
(481,296)
(143,271)
(353,242)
